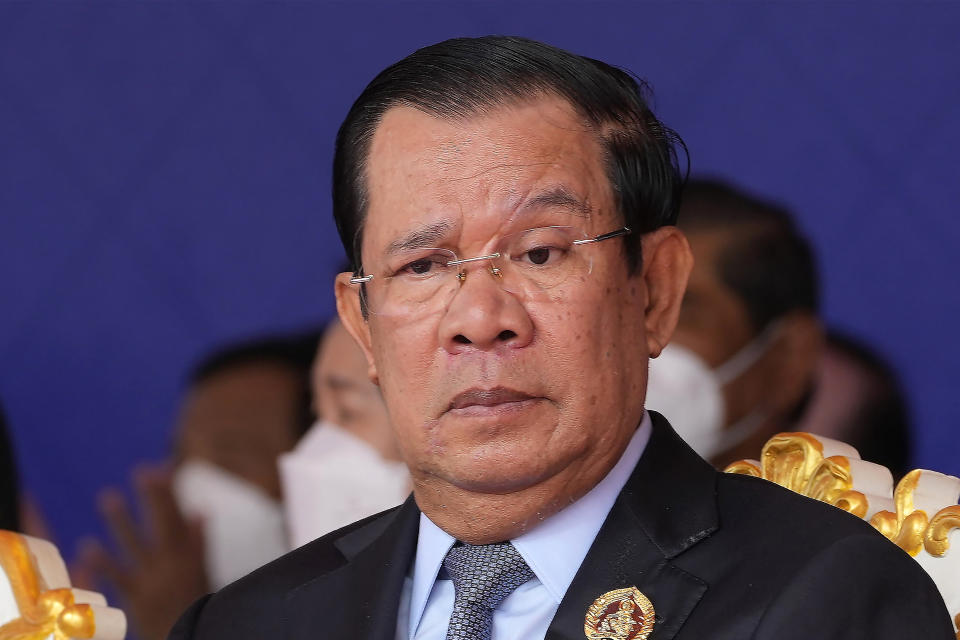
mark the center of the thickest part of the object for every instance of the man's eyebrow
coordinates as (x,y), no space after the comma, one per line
(427,236)
(557,197)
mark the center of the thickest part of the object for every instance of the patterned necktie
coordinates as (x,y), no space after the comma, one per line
(483,575)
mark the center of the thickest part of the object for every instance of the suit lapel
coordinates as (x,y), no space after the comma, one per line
(360,599)
(667,506)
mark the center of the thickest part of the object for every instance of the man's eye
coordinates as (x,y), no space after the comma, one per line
(420,267)
(423,266)
(540,255)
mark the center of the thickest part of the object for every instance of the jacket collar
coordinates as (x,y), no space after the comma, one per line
(360,598)
(668,506)
(673,492)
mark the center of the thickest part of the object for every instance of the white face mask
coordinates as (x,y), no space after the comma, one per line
(333,478)
(242,525)
(689,394)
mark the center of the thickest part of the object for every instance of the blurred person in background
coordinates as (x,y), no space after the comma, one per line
(10,490)
(348,466)
(748,340)
(859,400)
(18,510)
(214,514)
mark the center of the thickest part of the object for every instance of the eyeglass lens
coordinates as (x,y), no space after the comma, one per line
(528,264)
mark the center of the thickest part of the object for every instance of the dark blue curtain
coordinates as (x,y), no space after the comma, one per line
(164,183)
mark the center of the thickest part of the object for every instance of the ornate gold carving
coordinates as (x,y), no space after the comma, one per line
(908,525)
(621,614)
(911,528)
(936,539)
(43,612)
(795,461)
(744,468)
(789,459)
(853,502)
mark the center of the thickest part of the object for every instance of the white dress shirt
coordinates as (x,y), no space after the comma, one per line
(554,550)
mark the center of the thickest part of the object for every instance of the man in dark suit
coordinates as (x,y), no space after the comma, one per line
(508,208)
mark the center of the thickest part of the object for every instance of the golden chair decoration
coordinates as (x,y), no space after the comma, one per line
(823,469)
(832,472)
(37,603)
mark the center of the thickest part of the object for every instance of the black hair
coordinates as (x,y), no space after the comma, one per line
(464,77)
(294,352)
(10,488)
(767,262)
(880,427)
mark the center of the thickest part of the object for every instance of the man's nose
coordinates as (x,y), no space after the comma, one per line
(483,316)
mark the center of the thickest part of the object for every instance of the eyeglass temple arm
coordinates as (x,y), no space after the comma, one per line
(605,236)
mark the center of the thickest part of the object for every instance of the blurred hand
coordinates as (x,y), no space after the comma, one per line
(158,570)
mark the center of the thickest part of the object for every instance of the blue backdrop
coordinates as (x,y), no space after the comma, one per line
(164,183)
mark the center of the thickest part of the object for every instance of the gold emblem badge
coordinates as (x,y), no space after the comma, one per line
(622,614)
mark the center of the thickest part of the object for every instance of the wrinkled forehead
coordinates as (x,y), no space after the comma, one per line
(523,165)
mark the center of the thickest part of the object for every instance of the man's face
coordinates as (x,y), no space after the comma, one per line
(344,395)
(241,419)
(715,324)
(498,392)
(714,321)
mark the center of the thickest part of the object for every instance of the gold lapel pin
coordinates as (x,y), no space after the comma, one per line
(621,614)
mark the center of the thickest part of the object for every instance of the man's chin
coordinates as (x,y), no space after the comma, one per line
(493,485)
(497,473)
(484,505)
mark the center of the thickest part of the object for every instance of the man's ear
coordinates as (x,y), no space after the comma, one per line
(667,262)
(352,317)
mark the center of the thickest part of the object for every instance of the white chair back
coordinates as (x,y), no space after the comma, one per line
(36,600)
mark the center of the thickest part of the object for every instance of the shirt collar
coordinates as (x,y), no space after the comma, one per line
(554,550)
(433,543)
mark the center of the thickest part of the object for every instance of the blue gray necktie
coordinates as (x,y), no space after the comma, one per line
(483,575)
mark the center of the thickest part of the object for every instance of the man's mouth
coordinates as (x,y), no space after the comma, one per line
(490,401)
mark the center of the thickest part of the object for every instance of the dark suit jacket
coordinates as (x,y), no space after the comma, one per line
(720,556)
